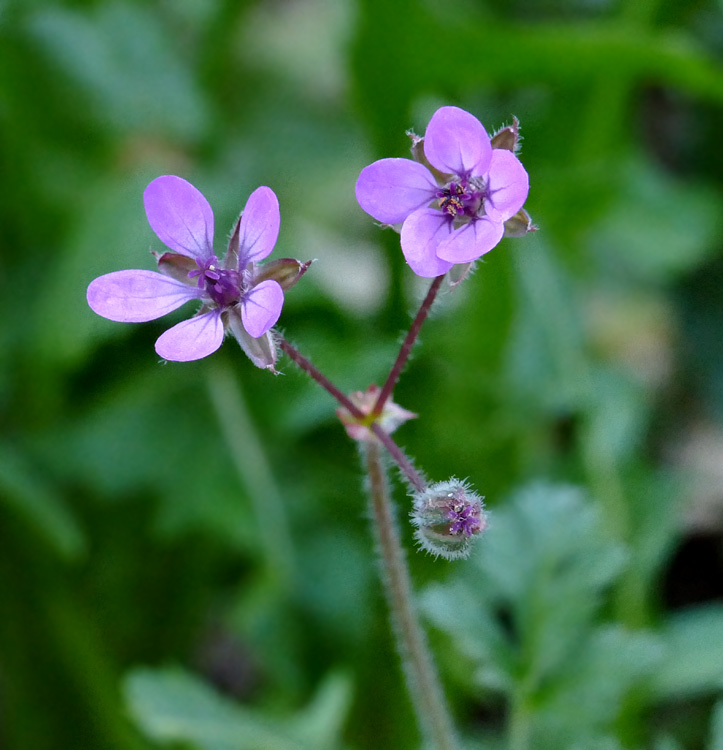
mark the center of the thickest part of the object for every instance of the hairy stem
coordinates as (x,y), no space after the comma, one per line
(424,688)
(405,465)
(407,344)
(321,379)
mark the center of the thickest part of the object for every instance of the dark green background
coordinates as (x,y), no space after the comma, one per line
(211,516)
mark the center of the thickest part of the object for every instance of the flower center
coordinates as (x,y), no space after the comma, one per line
(457,199)
(464,519)
(223,286)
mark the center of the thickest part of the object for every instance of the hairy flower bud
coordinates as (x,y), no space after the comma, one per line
(448,516)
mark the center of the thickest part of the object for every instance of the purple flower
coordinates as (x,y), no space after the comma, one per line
(456,213)
(237,293)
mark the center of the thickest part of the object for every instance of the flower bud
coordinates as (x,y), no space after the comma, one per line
(448,516)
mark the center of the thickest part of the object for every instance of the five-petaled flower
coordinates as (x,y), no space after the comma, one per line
(456,213)
(236,294)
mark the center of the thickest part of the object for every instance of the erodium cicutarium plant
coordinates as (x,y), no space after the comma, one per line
(452,203)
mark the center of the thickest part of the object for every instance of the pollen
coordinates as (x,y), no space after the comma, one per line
(452,199)
(451,205)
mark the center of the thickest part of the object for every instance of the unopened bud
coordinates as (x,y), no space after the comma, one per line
(448,516)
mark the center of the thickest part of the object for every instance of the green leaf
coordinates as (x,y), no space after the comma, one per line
(544,356)
(110,233)
(170,705)
(618,414)
(163,439)
(694,654)
(596,743)
(658,226)
(477,635)
(609,662)
(548,558)
(545,562)
(666,742)
(320,724)
(544,52)
(716,729)
(108,52)
(523,616)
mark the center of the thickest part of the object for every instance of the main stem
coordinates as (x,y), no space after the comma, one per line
(424,688)
(407,344)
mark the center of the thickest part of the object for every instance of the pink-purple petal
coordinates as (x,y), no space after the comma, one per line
(508,185)
(471,241)
(456,142)
(421,234)
(136,296)
(259,226)
(192,339)
(180,216)
(262,307)
(391,189)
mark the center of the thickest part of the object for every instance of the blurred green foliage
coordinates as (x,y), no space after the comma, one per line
(210,516)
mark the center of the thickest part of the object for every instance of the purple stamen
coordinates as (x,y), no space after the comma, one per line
(457,200)
(466,519)
(223,286)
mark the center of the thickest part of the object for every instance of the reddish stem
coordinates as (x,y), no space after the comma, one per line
(407,344)
(322,380)
(414,477)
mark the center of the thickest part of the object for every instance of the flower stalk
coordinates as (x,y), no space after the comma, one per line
(304,364)
(404,464)
(424,688)
(407,344)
